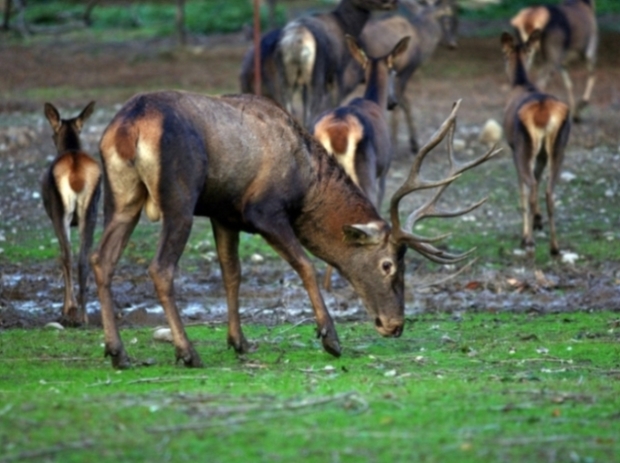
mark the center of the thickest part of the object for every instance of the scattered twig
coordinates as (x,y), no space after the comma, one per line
(447,278)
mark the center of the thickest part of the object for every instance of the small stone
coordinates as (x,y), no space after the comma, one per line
(54,326)
(163,335)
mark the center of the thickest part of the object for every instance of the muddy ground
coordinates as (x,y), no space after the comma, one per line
(71,70)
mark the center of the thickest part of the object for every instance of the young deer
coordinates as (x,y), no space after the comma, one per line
(427,25)
(245,163)
(70,189)
(357,134)
(569,33)
(537,127)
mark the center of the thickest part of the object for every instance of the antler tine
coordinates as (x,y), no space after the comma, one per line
(437,255)
(413,181)
(429,208)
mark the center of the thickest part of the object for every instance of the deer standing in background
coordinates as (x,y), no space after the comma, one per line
(357,134)
(271,84)
(312,55)
(537,127)
(245,163)
(427,25)
(70,188)
(569,33)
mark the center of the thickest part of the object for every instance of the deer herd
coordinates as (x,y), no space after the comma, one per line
(301,166)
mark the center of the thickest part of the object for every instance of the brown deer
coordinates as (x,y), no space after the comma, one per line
(569,33)
(245,163)
(312,55)
(427,24)
(537,127)
(271,84)
(357,134)
(70,188)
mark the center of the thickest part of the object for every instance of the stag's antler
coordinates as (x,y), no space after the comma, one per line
(415,182)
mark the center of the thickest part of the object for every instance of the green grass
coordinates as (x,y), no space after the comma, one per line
(501,387)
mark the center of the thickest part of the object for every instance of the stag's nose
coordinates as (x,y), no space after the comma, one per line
(391,104)
(452,44)
(389,327)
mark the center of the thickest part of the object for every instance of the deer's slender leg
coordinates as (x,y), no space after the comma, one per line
(175,232)
(104,260)
(541,162)
(227,243)
(281,237)
(568,84)
(70,307)
(88,221)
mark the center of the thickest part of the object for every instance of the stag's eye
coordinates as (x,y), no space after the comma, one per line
(387,266)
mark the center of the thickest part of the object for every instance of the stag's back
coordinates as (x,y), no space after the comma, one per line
(220,152)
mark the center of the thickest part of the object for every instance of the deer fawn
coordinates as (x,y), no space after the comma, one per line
(357,134)
(537,127)
(569,32)
(427,25)
(70,189)
(245,163)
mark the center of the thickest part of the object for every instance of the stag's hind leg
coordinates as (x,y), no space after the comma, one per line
(175,232)
(88,221)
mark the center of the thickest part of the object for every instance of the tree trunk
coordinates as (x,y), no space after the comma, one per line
(88,20)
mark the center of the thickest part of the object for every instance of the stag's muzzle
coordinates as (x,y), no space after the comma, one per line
(389,327)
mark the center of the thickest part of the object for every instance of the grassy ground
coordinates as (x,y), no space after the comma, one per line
(491,387)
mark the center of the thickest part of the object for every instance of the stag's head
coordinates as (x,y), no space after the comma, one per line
(67,131)
(381,284)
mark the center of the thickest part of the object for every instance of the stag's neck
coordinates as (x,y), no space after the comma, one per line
(351,18)
(332,202)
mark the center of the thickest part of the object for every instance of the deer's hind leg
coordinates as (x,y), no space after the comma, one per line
(61,221)
(122,215)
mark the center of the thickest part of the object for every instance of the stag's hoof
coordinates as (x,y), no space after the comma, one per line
(580,106)
(413,145)
(554,251)
(120,359)
(241,345)
(189,357)
(329,339)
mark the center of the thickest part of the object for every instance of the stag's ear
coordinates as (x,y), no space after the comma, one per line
(52,116)
(85,114)
(355,50)
(508,42)
(365,233)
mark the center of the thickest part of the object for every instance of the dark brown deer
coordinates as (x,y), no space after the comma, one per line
(313,56)
(70,188)
(250,167)
(357,134)
(537,127)
(427,24)
(569,33)
(271,84)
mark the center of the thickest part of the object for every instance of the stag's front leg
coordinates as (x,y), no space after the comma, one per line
(527,241)
(280,236)
(227,243)
(175,233)
(413,135)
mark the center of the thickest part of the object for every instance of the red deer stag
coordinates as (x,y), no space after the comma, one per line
(357,134)
(427,25)
(70,189)
(569,32)
(245,163)
(537,127)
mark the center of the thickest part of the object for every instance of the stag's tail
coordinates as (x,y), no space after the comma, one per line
(298,50)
